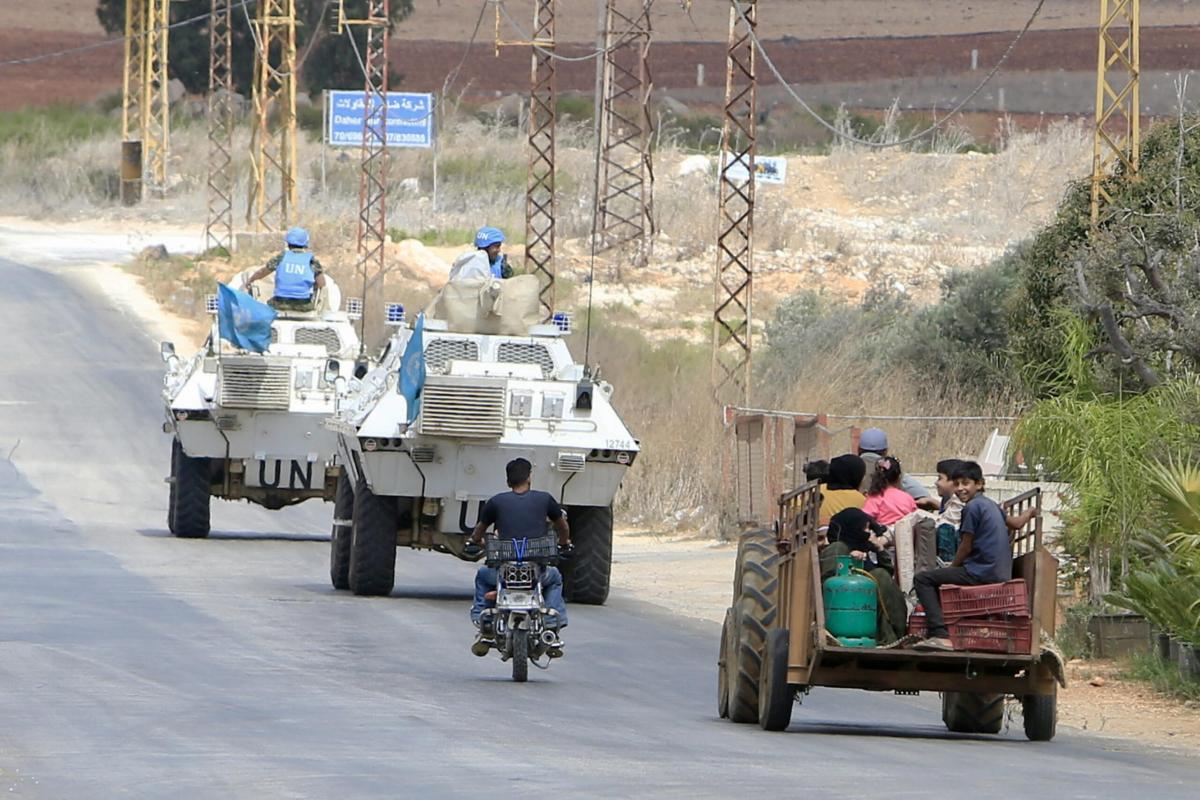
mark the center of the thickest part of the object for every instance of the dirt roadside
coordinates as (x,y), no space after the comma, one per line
(693,577)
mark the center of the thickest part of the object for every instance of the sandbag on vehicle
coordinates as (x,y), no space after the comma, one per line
(479,305)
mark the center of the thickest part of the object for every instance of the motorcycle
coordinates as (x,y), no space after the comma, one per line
(522,627)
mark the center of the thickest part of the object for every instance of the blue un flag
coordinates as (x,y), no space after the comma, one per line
(243,321)
(412,369)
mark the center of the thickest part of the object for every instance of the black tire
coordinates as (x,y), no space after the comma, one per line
(755,611)
(586,575)
(722,666)
(968,712)
(1041,716)
(520,655)
(171,484)
(192,495)
(775,696)
(373,543)
(340,537)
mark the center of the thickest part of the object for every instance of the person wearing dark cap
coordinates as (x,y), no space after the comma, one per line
(872,446)
(841,486)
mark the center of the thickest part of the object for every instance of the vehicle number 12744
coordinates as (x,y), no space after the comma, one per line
(618,444)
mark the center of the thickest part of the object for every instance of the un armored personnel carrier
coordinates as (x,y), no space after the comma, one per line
(247,426)
(488,397)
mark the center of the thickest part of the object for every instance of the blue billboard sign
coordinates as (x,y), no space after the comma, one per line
(409,118)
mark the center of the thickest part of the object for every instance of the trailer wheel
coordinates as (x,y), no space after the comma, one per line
(755,609)
(189,515)
(1041,715)
(742,663)
(586,576)
(775,696)
(722,666)
(968,712)
(340,538)
(373,542)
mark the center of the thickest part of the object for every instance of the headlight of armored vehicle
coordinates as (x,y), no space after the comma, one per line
(520,404)
(304,379)
(552,405)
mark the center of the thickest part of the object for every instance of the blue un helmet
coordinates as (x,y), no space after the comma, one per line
(296,237)
(486,237)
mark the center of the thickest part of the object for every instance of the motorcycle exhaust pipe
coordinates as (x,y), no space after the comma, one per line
(548,638)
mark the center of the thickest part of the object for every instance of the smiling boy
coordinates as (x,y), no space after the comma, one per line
(984,552)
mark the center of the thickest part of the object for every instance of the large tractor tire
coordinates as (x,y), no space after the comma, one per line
(190,495)
(723,666)
(586,575)
(969,712)
(775,697)
(340,538)
(373,542)
(755,608)
(1041,716)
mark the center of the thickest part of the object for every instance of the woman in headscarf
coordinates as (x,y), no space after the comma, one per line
(841,487)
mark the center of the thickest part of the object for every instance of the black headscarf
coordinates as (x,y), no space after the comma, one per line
(853,526)
(846,472)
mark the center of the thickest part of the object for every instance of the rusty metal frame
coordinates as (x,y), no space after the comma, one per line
(1117,134)
(372,191)
(539,192)
(273,148)
(734,278)
(218,228)
(627,173)
(145,104)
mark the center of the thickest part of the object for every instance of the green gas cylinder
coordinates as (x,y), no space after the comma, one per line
(850,605)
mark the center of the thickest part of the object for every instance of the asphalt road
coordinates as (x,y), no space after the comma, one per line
(134,664)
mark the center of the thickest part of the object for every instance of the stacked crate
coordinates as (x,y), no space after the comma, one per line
(990,618)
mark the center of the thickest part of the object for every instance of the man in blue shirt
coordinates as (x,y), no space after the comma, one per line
(984,553)
(297,274)
(519,513)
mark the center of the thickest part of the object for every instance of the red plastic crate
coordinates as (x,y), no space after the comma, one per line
(986,600)
(982,634)
(994,635)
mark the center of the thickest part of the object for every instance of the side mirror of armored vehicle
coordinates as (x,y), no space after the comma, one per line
(333,370)
(167,351)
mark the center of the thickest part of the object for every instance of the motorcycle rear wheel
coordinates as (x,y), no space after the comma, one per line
(520,655)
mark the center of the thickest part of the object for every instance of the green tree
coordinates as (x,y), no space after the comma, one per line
(325,59)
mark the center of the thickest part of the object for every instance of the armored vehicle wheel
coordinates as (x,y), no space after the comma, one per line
(1041,716)
(775,697)
(340,536)
(722,666)
(373,542)
(755,610)
(190,495)
(171,483)
(968,712)
(520,655)
(586,575)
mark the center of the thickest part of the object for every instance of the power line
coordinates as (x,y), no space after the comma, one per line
(555,56)
(107,42)
(908,139)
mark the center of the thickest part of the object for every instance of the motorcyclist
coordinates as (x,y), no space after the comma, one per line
(520,512)
(486,260)
(297,274)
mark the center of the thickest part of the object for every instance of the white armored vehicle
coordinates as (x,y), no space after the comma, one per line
(495,388)
(247,426)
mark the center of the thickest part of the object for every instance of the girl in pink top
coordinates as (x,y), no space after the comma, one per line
(886,501)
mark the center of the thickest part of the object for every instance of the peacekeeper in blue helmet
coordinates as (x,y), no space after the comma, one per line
(297,274)
(486,260)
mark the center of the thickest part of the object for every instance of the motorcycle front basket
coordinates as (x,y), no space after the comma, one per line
(525,549)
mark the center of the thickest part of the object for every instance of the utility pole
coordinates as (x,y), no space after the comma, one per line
(273,151)
(145,107)
(539,191)
(1117,136)
(218,229)
(734,278)
(372,193)
(627,175)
